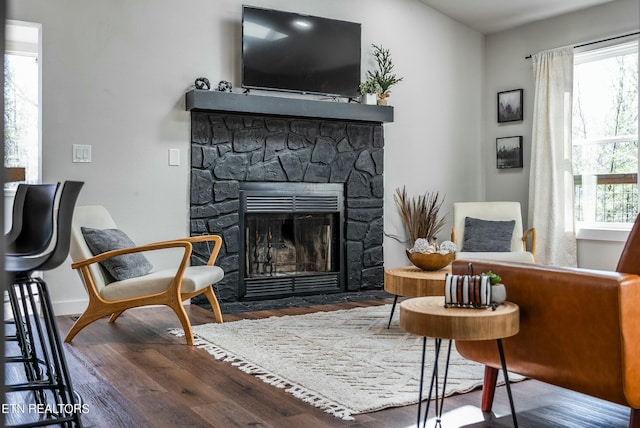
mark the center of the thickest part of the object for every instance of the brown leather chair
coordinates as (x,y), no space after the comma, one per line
(630,258)
(579,328)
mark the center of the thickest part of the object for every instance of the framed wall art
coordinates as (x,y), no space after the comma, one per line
(509,152)
(510,105)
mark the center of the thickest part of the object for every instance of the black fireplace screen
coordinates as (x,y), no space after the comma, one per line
(291,239)
(284,244)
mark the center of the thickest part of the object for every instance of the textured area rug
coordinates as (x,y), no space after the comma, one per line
(345,362)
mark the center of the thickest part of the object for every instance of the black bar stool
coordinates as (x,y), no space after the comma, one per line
(40,350)
(31,233)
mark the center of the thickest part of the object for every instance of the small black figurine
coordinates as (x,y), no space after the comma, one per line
(224,86)
(202,83)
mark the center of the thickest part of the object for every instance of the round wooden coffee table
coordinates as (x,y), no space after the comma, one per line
(410,281)
(427,317)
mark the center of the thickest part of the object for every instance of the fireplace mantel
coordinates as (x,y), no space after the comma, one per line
(280,106)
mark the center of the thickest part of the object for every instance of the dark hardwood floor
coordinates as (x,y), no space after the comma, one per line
(134,374)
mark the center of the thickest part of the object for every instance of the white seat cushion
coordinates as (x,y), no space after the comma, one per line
(512,256)
(195,278)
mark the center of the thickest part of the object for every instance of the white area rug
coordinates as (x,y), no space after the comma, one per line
(345,362)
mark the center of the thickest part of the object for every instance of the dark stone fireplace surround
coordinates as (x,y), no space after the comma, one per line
(233,146)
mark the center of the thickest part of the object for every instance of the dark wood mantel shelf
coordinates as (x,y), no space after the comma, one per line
(259,104)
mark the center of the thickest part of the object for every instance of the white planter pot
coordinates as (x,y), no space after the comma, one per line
(370,99)
(498,293)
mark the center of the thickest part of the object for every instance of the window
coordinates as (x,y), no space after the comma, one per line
(605,135)
(22,99)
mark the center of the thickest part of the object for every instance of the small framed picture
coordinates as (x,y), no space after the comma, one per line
(510,106)
(509,152)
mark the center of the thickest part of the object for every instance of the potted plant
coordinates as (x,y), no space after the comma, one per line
(498,290)
(384,75)
(370,89)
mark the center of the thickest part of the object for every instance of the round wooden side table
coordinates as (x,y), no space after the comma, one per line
(411,281)
(427,317)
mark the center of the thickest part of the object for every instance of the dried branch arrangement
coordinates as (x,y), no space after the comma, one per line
(421,215)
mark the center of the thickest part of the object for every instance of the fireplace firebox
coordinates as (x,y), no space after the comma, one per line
(291,239)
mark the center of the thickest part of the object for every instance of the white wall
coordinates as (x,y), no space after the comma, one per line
(507,68)
(115,73)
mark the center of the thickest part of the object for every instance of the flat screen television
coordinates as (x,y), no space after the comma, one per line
(286,51)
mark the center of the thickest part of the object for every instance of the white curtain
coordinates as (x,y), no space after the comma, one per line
(551,178)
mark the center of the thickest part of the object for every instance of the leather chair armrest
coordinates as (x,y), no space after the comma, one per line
(630,337)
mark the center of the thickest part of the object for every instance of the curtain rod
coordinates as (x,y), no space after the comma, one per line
(599,41)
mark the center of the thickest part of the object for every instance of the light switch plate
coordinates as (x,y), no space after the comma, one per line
(174,157)
(81,153)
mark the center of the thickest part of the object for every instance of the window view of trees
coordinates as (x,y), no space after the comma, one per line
(605,134)
(21,98)
(21,113)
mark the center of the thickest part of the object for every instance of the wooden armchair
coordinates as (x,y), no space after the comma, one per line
(478,212)
(112,296)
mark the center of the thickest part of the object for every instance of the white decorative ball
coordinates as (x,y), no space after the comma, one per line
(421,246)
(447,247)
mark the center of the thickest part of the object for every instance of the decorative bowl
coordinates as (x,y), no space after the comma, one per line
(433,261)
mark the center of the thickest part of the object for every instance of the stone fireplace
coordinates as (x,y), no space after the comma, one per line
(327,242)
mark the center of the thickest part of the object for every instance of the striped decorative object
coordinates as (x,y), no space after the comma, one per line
(467,291)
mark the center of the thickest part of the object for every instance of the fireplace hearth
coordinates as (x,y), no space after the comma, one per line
(330,242)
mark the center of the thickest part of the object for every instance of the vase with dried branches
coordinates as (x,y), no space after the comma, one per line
(422,219)
(420,215)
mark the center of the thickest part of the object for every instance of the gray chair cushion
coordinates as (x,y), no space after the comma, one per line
(121,267)
(487,235)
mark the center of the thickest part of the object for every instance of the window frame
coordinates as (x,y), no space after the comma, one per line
(601,231)
(20,41)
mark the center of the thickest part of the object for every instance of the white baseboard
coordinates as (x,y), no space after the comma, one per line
(70,307)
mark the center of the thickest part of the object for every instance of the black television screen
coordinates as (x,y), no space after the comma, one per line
(287,51)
